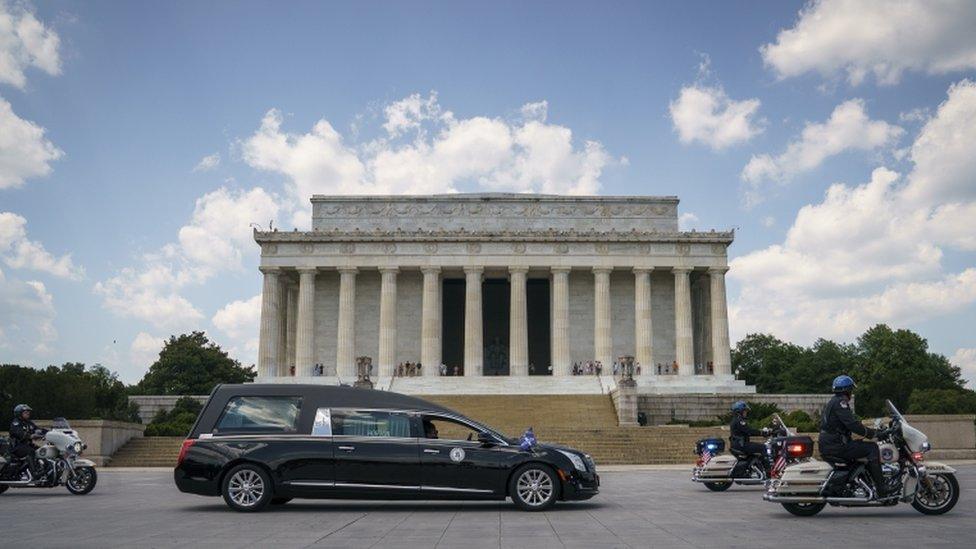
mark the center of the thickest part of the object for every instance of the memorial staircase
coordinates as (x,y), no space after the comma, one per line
(148,452)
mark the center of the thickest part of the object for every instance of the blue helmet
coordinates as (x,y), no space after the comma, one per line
(739,406)
(843,384)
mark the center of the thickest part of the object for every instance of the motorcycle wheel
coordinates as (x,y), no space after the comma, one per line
(947,495)
(804,509)
(718,486)
(83,481)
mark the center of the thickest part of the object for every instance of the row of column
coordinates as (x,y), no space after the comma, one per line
(275,326)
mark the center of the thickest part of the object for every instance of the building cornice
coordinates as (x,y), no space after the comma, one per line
(721,237)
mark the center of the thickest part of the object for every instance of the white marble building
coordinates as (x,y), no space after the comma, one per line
(510,285)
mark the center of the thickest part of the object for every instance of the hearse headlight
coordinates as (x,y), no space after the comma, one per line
(575,458)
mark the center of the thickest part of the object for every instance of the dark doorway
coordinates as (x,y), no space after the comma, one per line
(537,309)
(452,326)
(495,306)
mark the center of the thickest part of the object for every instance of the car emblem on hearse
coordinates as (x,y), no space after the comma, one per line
(457,455)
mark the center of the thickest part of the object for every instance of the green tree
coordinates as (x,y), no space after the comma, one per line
(763,360)
(70,391)
(191,364)
(942,401)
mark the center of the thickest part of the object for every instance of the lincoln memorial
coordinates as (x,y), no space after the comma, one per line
(496,290)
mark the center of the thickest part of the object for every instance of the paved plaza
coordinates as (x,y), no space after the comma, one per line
(658,508)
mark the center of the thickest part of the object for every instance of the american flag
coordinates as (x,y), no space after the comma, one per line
(778,466)
(705,457)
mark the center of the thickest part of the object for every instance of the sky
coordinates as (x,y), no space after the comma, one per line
(140,141)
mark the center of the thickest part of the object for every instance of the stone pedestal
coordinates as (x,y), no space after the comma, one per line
(625,399)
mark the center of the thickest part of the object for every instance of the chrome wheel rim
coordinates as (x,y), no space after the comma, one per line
(245,488)
(534,487)
(80,480)
(938,497)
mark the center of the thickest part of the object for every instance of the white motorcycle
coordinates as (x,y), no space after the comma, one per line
(804,489)
(58,457)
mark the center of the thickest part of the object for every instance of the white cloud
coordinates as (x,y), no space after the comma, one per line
(876,37)
(965,359)
(144,350)
(25,42)
(208,163)
(24,151)
(687,221)
(239,320)
(848,128)
(217,239)
(709,116)
(873,252)
(426,149)
(19,252)
(26,319)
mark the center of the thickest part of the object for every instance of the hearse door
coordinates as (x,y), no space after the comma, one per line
(454,462)
(374,452)
(311,467)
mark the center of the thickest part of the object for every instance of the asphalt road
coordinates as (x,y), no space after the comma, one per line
(634,509)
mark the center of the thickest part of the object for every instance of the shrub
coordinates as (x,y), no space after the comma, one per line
(942,401)
(176,422)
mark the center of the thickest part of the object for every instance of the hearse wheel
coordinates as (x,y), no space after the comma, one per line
(534,487)
(718,486)
(246,488)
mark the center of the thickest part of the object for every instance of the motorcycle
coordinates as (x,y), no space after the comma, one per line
(804,489)
(719,471)
(58,457)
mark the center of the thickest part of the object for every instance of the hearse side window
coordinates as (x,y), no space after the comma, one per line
(370,423)
(323,423)
(437,427)
(260,414)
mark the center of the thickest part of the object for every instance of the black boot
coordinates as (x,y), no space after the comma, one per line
(880,484)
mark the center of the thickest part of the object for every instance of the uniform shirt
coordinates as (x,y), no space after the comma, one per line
(741,431)
(22,429)
(838,422)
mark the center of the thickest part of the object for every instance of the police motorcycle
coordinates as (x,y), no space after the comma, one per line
(719,471)
(58,456)
(804,489)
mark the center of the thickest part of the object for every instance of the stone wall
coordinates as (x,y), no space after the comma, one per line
(103,437)
(661,409)
(150,405)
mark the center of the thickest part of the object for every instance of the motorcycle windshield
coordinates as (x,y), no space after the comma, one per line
(780,424)
(914,438)
(894,411)
(60,423)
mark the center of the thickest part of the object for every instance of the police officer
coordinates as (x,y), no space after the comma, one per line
(21,431)
(836,425)
(741,431)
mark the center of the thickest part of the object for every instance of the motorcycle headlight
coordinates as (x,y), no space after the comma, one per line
(77,447)
(926,447)
(575,459)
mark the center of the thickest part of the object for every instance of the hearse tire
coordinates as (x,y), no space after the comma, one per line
(534,487)
(247,488)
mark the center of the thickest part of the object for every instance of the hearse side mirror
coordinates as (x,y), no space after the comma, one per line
(486,439)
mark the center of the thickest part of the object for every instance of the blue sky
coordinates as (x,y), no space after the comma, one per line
(116,232)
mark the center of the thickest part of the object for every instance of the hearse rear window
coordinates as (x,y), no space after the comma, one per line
(370,424)
(260,414)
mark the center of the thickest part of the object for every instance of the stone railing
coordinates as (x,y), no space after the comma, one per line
(103,437)
(660,409)
(150,405)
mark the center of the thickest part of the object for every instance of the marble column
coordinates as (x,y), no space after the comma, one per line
(269,351)
(684,347)
(602,335)
(474,348)
(643,327)
(346,331)
(721,359)
(560,322)
(518,336)
(305,329)
(388,321)
(291,326)
(282,367)
(430,346)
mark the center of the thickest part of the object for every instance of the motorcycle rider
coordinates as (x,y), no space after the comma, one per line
(21,431)
(836,425)
(741,431)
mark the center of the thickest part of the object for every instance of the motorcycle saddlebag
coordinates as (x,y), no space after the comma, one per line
(714,445)
(718,467)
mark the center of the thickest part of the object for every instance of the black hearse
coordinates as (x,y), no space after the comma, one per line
(266,444)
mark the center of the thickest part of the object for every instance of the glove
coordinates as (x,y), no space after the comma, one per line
(881,434)
(766,431)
